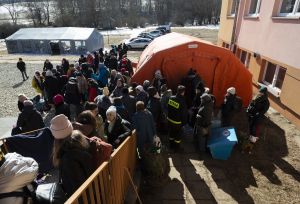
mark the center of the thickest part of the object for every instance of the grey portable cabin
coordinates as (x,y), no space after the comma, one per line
(63,40)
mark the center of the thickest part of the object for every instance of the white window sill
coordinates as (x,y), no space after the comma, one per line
(273,90)
(288,16)
(251,17)
(230,16)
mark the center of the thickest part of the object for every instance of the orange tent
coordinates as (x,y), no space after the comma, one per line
(174,54)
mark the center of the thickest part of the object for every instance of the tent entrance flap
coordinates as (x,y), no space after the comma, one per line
(54,45)
(175,68)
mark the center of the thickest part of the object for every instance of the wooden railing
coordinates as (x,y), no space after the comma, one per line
(110,182)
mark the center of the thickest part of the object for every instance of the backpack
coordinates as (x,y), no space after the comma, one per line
(100,150)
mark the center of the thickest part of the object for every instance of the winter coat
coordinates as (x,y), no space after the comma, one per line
(177,110)
(145,129)
(103,103)
(21,66)
(99,126)
(20,106)
(30,119)
(63,108)
(75,167)
(121,110)
(92,94)
(205,112)
(72,95)
(164,101)
(15,173)
(82,84)
(113,63)
(37,85)
(119,131)
(103,75)
(65,66)
(48,66)
(112,84)
(51,87)
(130,104)
(142,96)
(154,106)
(117,92)
(228,105)
(90,60)
(259,105)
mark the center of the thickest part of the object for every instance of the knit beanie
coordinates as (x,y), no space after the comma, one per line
(263,89)
(231,91)
(28,103)
(61,127)
(140,88)
(57,99)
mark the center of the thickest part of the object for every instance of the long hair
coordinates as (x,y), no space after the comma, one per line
(75,141)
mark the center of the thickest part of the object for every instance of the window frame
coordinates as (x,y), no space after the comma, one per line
(247,58)
(257,9)
(293,13)
(231,13)
(272,86)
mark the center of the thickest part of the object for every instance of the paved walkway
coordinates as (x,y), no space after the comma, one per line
(195,178)
(6,125)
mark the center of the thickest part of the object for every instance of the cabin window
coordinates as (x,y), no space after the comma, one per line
(254,7)
(289,8)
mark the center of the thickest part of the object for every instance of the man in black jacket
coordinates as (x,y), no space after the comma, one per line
(177,117)
(256,110)
(129,102)
(29,119)
(22,67)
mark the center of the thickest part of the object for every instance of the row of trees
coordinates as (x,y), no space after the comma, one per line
(112,13)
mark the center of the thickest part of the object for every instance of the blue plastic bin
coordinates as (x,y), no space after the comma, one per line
(221,142)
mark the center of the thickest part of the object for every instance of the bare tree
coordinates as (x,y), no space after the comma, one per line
(12,10)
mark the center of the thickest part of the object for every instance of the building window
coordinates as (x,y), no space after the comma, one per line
(274,77)
(245,58)
(254,7)
(225,45)
(289,8)
(232,6)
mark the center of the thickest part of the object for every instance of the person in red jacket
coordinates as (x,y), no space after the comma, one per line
(92,91)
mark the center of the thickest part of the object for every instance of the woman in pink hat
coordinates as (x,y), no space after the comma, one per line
(70,154)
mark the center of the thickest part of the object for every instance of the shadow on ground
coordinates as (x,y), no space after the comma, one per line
(17,85)
(197,178)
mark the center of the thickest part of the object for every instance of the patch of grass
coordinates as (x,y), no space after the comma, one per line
(204,34)
(114,40)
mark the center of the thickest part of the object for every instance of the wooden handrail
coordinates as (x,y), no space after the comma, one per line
(86,183)
(109,183)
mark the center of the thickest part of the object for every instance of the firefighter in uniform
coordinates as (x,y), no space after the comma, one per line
(177,117)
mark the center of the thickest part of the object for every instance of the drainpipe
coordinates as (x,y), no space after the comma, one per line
(233,35)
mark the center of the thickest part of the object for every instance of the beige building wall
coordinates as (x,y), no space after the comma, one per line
(276,40)
(226,24)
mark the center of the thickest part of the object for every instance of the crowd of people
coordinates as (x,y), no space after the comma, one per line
(95,97)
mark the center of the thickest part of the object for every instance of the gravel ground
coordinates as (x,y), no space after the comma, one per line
(11,84)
